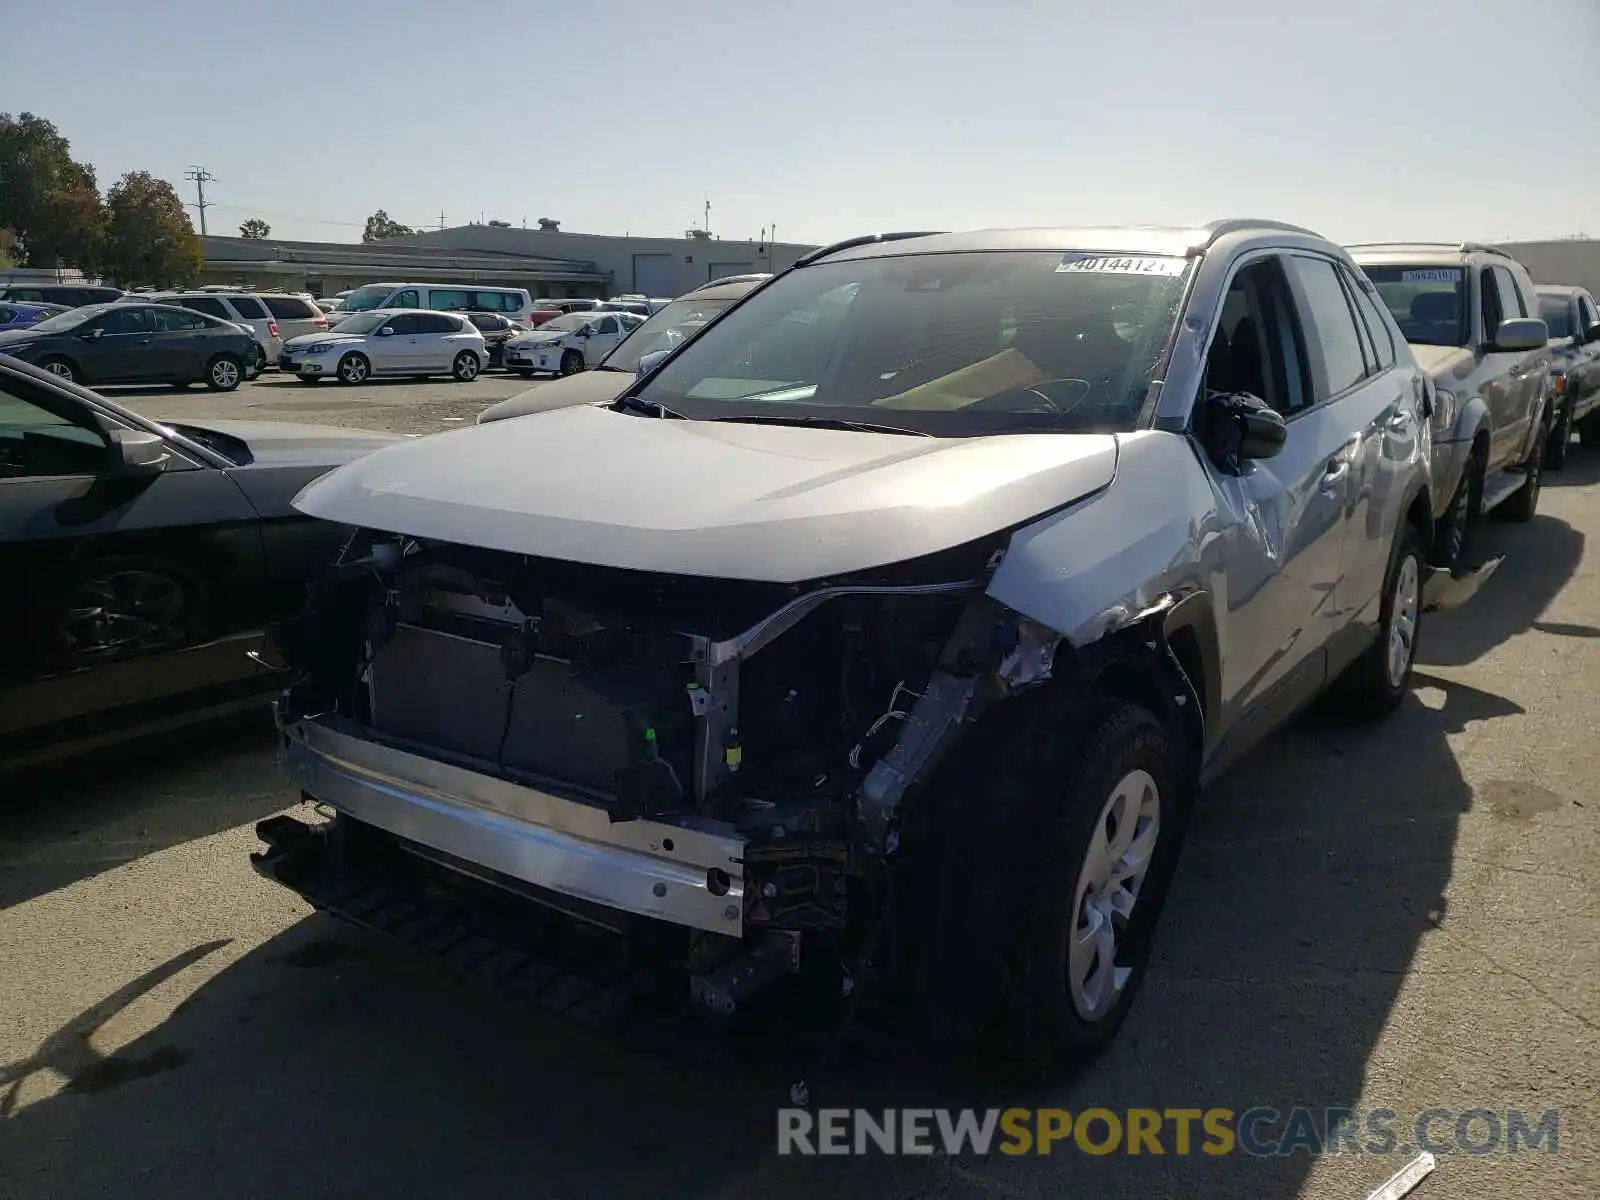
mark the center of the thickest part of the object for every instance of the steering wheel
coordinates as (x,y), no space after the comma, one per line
(1048,403)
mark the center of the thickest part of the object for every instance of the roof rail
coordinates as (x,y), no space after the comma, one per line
(1216,229)
(1460,247)
(865,239)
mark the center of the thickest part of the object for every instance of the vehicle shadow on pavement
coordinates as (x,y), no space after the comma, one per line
(327,1062)
(1540,558)
(73,819)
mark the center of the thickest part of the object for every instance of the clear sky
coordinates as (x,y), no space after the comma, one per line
(1364,119)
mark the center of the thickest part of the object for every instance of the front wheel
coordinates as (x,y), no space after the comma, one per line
(571,362)
(353,369)
(1455,527)
(466,367)
(223,373)
(61,369)
(1378,680)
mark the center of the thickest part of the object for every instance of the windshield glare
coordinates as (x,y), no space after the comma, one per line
(362,322)
(565,324)
(70,319)
(949,344)
(364,299)
(1555,312)
(1428,303)
(664,331)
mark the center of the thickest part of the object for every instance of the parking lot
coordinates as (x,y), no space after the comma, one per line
(1404,916)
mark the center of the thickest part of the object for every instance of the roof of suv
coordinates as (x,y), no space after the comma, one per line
(726,289)
(1177,240)
(1558,289)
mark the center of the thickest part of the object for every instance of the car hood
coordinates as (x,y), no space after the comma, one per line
(1444,363)
(757,502)
(586,387)
(284,443)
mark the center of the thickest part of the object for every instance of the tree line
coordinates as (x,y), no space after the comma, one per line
(137,233)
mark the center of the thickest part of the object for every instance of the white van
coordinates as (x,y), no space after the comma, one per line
(512,303)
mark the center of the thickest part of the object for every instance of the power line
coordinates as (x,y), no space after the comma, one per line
(201,177)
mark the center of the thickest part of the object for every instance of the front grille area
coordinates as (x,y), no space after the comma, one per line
(451,692)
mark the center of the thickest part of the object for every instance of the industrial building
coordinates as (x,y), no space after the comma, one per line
(546,261)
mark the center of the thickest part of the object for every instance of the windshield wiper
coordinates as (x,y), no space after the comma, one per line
(823,423)
(650,408)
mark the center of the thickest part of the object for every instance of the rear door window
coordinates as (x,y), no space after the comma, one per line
(494,302)
(1381,340)
(248,307)
(209,305)
(176,320)
(405,299)
(125,321)
(449,299)
(431,322)
(290,308)
(1337,361)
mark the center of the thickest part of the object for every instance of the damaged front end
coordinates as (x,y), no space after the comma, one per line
(714,768)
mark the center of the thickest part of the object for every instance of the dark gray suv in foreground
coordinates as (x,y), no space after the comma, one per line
(943,568)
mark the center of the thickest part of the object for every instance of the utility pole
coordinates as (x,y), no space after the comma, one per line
(708,216)
(441,219)
(201,177)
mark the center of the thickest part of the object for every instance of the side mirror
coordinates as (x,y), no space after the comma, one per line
(1241,428)
(137,452)
(1521,333)
(649,362)
(1591,334)
(386,331)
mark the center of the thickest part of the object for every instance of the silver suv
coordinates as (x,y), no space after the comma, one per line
(941,567)
(1472,319)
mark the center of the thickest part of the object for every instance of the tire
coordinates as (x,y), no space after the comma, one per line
(1523,503)
(571,363)
(61,368)
(1377,682)
(1454,529)
(466,367)
(353,369)
(223,373)
(994,906)
(1555,452)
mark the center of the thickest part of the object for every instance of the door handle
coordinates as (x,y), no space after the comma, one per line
(1335,472)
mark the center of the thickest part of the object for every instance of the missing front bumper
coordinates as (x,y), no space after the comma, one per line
(687,876)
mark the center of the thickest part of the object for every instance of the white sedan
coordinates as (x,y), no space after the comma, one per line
(568,344)
(416,342)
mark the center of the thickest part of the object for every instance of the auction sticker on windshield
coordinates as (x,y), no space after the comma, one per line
(1432,275)
(1108,264)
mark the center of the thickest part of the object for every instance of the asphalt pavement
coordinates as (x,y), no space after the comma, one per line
(1403,916)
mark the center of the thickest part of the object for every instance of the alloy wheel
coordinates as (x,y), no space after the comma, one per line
(1403,608)
(1119,854)
(224,373)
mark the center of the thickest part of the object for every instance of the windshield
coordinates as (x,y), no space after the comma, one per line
(567,323)
(362,322)
(70,319)
(1428,303)
(364,299)
(665,331)
(948,344)
(1556,312)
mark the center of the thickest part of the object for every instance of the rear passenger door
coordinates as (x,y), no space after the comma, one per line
(179,342)
(607,333)
(435,340)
